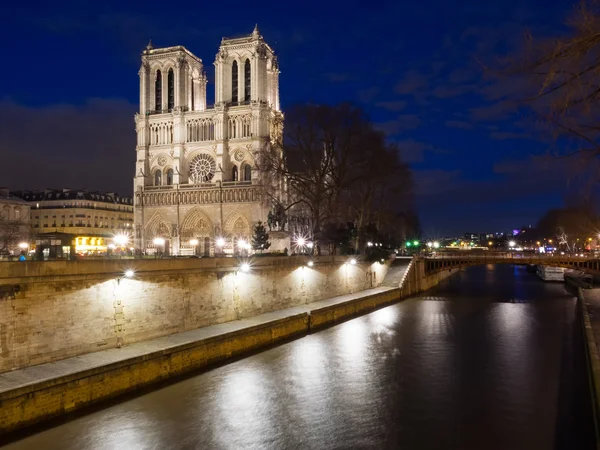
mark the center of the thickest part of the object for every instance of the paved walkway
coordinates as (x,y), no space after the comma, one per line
(592,301)
(46,372)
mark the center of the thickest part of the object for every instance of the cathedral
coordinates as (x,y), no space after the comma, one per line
(196,184)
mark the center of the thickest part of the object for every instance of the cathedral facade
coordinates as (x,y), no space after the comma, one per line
(196,185)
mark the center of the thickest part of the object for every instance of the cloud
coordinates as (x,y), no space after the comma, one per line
(452,91)
(78,146)
(504,135)
(333,77)
(412,151)
(491,112)
(458,76)
(402,123)
(367,95)
(397,105)
(411,82)
(458,124)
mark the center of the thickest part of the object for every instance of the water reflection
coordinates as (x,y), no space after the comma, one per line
(460,368)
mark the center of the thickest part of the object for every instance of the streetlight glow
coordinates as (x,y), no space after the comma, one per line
(129,273)
(245,267)
(512,244)
(300,242)
(23,245)
(310,264)
(158,241)
(353,261)
(242,243)
(194,242)
(220,242)
(121,240)
(436,244)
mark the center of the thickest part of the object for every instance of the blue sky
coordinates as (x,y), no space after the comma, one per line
(69,88)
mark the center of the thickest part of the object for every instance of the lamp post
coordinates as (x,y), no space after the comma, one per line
(220,244)
(194,242)
(159,242)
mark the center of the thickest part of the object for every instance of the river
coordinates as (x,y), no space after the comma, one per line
(490,359)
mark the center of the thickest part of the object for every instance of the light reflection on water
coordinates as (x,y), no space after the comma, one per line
(456,369)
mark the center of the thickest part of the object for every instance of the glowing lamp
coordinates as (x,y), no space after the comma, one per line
(220,242)
(436,245)
(310,245)
(300,241)
(121,239)
(23,245)
(129,273)
(242,243)
(353,261)
(245,267)
(194,242)
(158,241)
(512,244)
(310,264)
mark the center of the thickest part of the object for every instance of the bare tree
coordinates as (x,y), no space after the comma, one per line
(337,168)
(12,232)
(565,75)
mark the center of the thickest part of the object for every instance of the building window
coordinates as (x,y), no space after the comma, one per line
(234,173)
(234,82)
(192,89)
(247,81)
(17,214)
(247,172)
(157,178)
(171,90)
(169,177)
(158,91)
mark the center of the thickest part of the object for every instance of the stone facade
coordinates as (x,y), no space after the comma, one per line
(196,176)
(14,223)
(54,310)
(79,212)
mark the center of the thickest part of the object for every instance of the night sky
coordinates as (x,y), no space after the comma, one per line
(69,89)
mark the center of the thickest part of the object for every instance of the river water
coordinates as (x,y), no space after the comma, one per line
(490,359)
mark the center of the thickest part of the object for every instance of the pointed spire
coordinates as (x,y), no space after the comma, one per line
(255,32)
(149,46)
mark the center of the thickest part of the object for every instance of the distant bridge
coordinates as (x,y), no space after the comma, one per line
(446,261)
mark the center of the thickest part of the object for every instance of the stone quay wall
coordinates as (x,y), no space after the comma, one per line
(55,310)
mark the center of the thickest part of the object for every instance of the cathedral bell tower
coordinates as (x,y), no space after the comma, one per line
(246,71)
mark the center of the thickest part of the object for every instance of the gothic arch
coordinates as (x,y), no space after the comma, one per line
(237,225)
(158,226)
(196,224)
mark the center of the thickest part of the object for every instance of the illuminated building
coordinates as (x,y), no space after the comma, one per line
(196,178)
(14,212)
(65,221)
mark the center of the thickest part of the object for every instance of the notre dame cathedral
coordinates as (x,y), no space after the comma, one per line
(196,183)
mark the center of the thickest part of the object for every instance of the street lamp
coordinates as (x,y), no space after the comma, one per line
(511,244)
(23,245)
(194,242)
(436,244)
(159,242)
(121,240)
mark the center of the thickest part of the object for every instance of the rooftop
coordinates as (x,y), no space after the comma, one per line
(69,194)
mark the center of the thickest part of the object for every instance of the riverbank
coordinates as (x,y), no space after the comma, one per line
(40,392)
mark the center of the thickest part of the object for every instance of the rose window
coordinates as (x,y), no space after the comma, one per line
(202,168)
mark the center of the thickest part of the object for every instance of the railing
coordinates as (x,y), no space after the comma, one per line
(198,194)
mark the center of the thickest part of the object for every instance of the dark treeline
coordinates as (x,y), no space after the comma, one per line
(344,184)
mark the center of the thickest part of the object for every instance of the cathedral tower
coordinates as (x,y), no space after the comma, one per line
(196,181)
